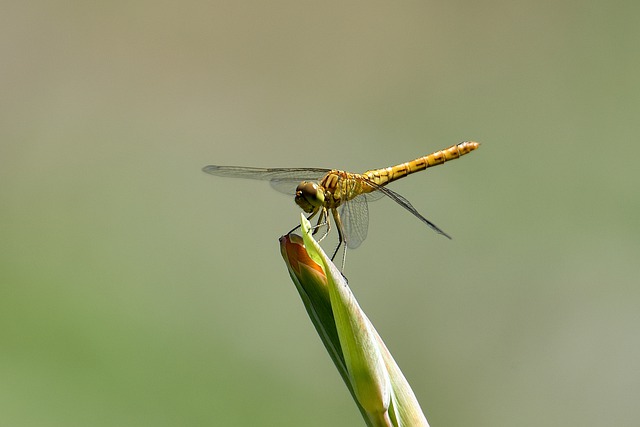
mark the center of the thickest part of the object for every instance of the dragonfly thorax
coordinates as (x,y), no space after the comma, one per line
(309,196)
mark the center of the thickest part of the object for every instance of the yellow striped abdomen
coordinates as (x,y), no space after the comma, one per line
(386,175)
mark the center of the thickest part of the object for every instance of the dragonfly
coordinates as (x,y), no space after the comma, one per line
(344,195)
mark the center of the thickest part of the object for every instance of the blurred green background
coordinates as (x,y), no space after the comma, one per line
(137,291)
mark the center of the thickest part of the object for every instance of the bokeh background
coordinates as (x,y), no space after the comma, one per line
(138,291)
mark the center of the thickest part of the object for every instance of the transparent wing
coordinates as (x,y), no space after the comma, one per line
(372,197)
(355,218)
(283,180)
(286,186)
(402,202)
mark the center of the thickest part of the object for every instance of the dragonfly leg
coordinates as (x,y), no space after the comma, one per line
(319,223)
(298,226)
(341,238)
(322,221)
(293,229)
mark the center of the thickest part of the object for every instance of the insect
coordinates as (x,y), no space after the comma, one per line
(344,195)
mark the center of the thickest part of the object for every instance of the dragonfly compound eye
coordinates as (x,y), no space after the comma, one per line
(309,196)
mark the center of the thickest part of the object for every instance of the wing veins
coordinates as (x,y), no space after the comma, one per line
(405,204)
(266,174)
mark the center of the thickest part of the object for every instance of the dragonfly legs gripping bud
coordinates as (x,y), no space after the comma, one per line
(324,221)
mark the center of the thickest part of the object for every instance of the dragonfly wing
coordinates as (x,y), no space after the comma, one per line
(405,204)
(373,196)
(355,218)
(266,174)
(284,180)
(286,186)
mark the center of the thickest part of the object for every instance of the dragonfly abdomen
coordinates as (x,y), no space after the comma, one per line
(386,175)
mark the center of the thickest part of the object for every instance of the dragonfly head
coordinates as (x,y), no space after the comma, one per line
(309,196)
